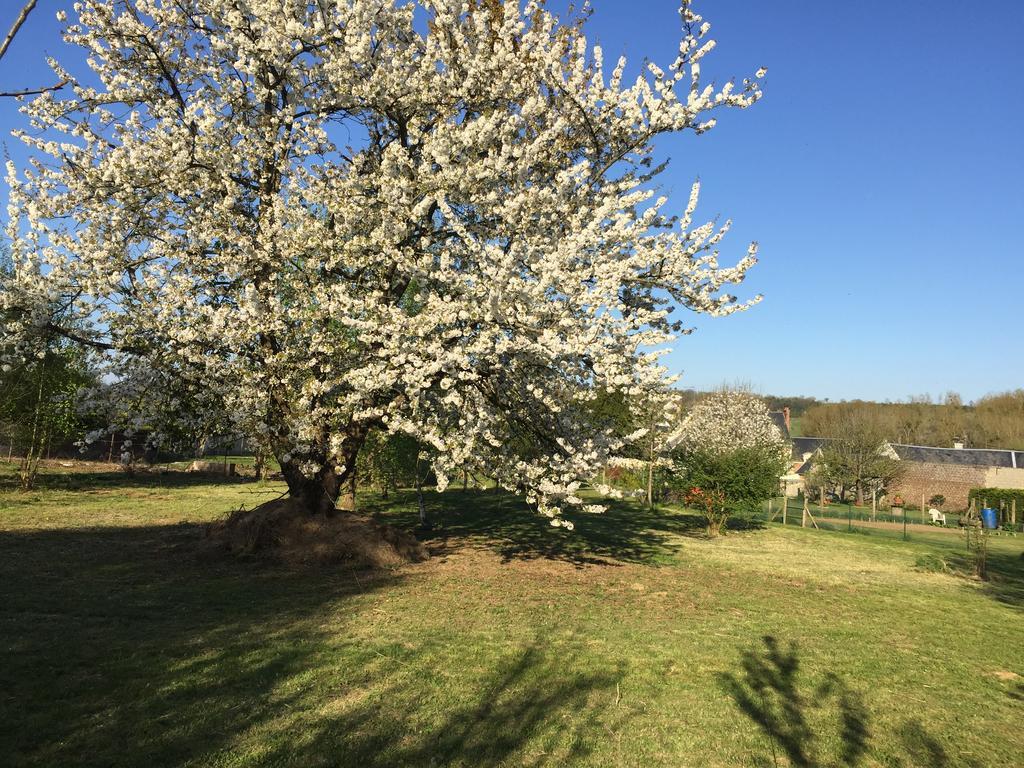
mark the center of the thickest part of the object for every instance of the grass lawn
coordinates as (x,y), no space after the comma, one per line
(632,641)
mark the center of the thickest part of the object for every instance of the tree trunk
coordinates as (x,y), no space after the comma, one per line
(650,476)
(424,521)
(260,464)
(347,487)
(328,491)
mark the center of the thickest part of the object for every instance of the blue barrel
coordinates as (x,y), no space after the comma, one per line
(988,518)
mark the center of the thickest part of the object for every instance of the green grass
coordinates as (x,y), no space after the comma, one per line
(632,641)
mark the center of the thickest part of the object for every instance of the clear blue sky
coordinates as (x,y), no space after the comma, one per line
(883,175)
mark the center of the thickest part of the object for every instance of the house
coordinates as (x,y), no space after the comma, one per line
(929,470)
(953,472)
(802,451)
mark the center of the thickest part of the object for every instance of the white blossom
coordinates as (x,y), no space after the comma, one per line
(308,221)
(728,420)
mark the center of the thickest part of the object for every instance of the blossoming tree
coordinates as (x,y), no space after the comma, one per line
(728,456)
(330,217)
(726,420)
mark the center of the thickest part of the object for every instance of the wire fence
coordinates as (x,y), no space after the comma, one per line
(905,524)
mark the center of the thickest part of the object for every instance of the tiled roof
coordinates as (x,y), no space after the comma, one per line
(802,445)
(972,457)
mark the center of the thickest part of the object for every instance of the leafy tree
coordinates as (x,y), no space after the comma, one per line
(38,392)
(391,461)
(729,456)
(854,456)
(436,219)
(38,404)
(723,483)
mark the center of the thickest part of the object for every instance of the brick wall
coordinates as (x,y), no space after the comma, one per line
(953,481)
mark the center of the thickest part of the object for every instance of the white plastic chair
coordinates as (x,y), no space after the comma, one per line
(937,517)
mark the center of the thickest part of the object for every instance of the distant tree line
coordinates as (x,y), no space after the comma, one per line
(994,421)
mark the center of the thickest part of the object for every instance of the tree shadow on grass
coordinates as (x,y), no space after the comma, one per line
(1017,692)
(118,647)
(769,693)
(533,710)
(1005,581)
(628,532)
(813,726)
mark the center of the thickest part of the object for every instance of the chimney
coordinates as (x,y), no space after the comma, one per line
(785,417)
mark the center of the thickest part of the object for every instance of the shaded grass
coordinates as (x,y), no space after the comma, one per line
(632,641)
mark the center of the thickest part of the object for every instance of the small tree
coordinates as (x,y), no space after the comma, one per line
(38,404)
(721,484)
(729,456)
(391,461)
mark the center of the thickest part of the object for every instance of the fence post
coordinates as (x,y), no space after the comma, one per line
(1013,513)
(874,504)
(970,519)
(785,508)
(770,515)
(803,518)
(922,508)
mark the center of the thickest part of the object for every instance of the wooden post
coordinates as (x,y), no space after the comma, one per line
(785,508)
(803,518)
(922,508)
(1013,512)
(874,504)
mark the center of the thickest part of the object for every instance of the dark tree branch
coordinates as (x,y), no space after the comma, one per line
(33,91)
(25,11)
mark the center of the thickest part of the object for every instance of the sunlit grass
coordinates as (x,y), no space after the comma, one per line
(632,641)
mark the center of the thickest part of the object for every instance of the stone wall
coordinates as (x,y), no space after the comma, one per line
(1004,477)
(954,481)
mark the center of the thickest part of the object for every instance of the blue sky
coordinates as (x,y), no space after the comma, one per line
(882,174)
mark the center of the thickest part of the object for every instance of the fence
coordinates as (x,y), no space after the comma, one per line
(904,524)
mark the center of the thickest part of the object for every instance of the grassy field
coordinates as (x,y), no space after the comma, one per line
(632,641)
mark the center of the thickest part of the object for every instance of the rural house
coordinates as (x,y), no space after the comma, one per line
(953,472)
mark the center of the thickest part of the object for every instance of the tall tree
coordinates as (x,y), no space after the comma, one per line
(39,392)
(434,218)
(854,456)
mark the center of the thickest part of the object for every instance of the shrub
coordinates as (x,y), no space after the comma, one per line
(719,484)
(996,496)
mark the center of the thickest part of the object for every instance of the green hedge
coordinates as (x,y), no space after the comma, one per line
(993,496)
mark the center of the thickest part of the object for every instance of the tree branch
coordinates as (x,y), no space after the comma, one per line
(17,25)
(34,91)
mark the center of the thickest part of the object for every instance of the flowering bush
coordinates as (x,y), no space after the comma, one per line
(726,420)
(728,456)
